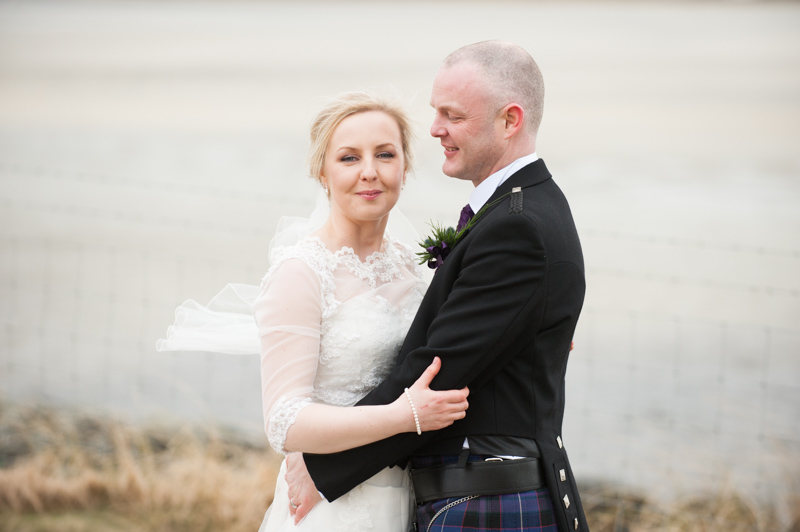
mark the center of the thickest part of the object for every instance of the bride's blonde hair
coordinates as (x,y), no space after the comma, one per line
(344,105)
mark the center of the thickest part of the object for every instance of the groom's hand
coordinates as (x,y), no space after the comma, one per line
(303,494)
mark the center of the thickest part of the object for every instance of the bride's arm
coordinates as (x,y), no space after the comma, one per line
(288,314)
(323,429)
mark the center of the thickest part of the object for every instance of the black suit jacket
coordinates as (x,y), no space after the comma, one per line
(500,313)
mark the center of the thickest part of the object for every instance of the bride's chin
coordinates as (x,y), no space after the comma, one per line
(375,213)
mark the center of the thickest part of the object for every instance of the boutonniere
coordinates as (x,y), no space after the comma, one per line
(439,245)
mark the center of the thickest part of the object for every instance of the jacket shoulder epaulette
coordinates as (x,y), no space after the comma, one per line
(515,207)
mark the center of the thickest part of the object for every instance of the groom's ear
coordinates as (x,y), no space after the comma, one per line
(513,116)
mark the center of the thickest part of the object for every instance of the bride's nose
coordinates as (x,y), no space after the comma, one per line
(369,171)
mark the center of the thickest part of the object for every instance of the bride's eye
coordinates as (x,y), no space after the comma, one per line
(348,159)
(386,155)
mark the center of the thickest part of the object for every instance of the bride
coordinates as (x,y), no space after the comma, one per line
(332,313)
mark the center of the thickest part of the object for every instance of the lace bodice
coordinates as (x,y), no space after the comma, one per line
(330,325)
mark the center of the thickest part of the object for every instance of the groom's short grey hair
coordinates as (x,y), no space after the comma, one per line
(512,74)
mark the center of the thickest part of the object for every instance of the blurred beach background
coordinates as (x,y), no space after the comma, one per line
(148,150)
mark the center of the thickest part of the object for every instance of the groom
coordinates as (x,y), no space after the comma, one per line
(500,313)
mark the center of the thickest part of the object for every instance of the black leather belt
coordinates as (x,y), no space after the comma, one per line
(477,478)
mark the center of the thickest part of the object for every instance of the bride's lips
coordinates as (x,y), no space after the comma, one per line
(369,194)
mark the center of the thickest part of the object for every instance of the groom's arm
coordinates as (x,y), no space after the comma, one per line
(489,306)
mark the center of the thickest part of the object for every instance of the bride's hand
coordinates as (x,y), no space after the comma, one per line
(435,409)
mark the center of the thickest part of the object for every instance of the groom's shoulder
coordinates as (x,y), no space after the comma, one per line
(512,219)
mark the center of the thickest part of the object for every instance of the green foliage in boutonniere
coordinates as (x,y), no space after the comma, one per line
(439,245)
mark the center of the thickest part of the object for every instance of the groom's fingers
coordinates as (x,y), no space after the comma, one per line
(298,513)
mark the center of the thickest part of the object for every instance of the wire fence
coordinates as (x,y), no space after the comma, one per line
(685,404)
(660,400)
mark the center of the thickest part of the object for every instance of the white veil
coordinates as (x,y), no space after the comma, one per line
(226,324)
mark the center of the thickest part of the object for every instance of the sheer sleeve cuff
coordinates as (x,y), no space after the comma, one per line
(283,416)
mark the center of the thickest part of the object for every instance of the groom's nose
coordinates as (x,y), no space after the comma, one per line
(437,128)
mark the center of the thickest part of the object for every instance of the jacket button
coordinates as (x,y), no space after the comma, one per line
(563,474)
(576,523)
(560,445)
(566,501)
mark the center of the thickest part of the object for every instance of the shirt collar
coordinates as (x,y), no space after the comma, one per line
(484,191)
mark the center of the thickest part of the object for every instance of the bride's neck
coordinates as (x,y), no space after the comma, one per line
(365,238)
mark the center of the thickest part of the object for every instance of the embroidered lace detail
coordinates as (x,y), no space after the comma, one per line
(360,337)
(359,346)
(381,265)
(283,416)
(356,516)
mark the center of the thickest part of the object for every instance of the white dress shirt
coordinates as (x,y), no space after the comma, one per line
(484,191)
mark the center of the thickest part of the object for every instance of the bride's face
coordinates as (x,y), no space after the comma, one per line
(364,166)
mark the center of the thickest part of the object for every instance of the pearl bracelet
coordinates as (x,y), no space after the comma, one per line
(413,411)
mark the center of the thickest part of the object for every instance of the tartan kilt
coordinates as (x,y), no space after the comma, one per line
(528,511)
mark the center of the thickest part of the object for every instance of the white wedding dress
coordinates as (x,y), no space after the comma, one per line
(328,327)
(331,327)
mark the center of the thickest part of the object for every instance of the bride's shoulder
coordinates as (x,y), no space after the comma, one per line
(310,249)
(398,247)
(307,255)
(404,253)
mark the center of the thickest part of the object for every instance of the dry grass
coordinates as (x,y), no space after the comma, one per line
(610,510)
(69,473)
(89,474)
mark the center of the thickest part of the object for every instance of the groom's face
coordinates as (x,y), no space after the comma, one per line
(466,124)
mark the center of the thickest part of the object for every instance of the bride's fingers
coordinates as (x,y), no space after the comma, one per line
(453,396)
(458,401)
(461,398)
(430,372)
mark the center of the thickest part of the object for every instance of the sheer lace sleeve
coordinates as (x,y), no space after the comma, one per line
(288,313)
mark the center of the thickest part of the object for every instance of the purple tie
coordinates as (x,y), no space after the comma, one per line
(466,216)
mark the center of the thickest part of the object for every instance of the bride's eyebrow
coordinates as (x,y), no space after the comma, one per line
(378,147)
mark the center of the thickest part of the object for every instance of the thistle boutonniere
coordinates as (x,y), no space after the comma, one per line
(439,245)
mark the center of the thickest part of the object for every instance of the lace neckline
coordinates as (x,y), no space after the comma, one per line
(382,265)
(347,254)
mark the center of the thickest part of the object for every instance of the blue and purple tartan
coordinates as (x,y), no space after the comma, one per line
(528,511)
